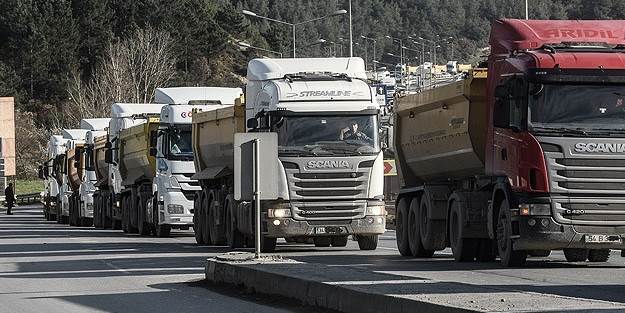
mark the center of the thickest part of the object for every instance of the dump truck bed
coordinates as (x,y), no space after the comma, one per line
(75,174)
(213,140)
(101,167)
(134,152)
(440,134)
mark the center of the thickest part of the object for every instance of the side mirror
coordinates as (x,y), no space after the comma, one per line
(77,154)
(40,172)
(153,138)
(108,145)
(108,156)
(153,152)
(252,123)
(46,171)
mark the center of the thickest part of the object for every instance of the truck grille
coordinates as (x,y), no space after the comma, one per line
(328,194)
(586,190)
(328,210)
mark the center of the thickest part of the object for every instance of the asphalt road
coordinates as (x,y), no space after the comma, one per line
(47,267)
(44,265)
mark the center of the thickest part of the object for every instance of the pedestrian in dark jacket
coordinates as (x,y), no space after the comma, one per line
(9,198)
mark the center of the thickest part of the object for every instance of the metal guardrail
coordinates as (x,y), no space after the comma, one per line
(28,198)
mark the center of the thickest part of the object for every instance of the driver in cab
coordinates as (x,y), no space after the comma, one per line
(353,133)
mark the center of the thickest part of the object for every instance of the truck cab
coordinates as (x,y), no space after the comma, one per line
(558,92)
(327,121)
(74,138)
(50,173)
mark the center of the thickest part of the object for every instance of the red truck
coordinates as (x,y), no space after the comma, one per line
(523,158)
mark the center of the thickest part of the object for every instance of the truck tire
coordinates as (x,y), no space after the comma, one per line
(432,232)
(367,242)
(197,226)
(204,217)
(124,209)
(401,229)
(163,230)
(414,234)
(322,241)
(598,255)
(96,212)
(576,255)
(339,241)
(133,215)
(143,226)
(463,249)
(216,229)
(508,256)
(233,237)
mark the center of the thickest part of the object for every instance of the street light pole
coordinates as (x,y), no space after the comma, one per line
(527,14)
(252,14)
(374,63)
(351,39)
(247,45)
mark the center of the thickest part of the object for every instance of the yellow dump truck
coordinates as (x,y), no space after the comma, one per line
(137,168)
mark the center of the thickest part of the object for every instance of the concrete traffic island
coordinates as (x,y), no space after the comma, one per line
(348,289)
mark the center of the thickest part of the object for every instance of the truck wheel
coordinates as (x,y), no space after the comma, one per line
(599,255)
(414,237)
(233,237)
(197,227)
(124,209)
(86,222)
(143,225)
(463,249)
(322,241)
(216,230)
(267,244)
(509,257)
(401,231)
(204,218)
(576,255)
(432,232)
(367,242)
(96,212)
(540,253)
(339,241)
(487,250)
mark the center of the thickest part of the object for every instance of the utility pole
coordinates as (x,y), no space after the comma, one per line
(527,15)
(351,39)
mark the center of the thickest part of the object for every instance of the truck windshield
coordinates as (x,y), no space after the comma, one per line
(327,135)
(178,144)
(580,107)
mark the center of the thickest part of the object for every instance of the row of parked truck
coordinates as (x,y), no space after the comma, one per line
(154,167)
(523,156)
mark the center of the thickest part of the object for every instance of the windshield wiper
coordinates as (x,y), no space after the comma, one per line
(561,130)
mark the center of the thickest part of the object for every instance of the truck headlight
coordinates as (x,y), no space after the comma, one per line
(375,210)
(526,209)
(279,213)
(175,209)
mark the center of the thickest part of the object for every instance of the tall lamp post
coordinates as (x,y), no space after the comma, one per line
(247,45)
(335,13)
(374,42)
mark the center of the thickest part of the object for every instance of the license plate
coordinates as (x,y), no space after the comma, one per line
(602,239)
(328,230)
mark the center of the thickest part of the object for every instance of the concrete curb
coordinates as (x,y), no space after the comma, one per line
(262,278)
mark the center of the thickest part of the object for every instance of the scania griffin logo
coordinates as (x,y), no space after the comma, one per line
(599,147)
(327,164)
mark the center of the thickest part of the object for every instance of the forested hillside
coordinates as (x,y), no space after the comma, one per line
(57,56)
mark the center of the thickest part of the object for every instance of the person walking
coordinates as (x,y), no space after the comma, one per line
(9,198)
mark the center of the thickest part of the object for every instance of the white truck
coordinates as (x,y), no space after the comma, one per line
(156,163)
(51,174)
(107,212)
(84,198)
(73,139)
(331,172)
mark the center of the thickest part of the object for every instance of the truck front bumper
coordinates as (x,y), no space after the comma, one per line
(544,233)
(176,209)
(288,227)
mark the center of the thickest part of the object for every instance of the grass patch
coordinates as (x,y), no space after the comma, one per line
(28,186)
